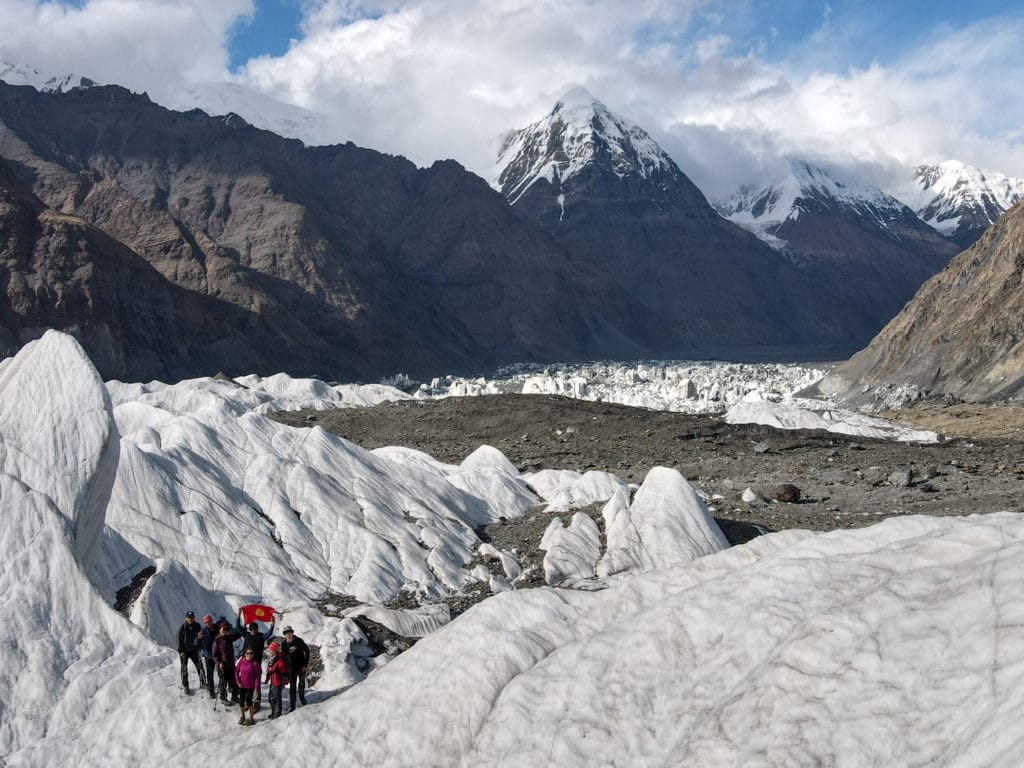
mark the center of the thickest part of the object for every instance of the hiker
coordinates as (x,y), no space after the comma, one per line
(224,658)
(188,649)
(247,676)
(296,655)
(207,634)
(254,639)
(277,676)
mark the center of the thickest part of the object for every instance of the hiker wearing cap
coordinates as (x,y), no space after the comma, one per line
(296,656)
(247,676)
(207,634)
(224,658)
(188,648)
(277,676)
(255,640)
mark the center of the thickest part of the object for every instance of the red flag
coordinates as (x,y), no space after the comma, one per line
(254,612)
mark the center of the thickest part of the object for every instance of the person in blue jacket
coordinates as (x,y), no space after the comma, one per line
(255,640)
(207,634)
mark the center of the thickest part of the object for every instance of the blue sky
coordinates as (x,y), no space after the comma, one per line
(272,26)
(729,87)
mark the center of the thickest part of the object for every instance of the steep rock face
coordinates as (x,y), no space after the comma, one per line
(961,335)
(59,271)
(689,278)
(346,262)
(959,200)
(867,249)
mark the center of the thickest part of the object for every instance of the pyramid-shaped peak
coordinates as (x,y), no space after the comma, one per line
(576,98)
(579,133)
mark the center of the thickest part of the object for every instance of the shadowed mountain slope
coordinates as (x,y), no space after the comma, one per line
(961,335)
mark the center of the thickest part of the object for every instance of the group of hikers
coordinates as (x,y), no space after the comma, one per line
(211,645)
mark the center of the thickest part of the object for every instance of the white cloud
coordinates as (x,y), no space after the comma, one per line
(433,79)
(143,44)
(441,78)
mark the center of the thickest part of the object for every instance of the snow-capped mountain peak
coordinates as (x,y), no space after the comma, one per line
(959,200)
(579,131)
(22,74)
(763,209)
(214,98)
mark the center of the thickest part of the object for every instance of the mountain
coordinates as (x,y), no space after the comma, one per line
(869,248)
(22,74)
(580,135)
(961,334)
(961,201)
(340,260)
(689,282)
(214,98)
(59,271)
(601,185)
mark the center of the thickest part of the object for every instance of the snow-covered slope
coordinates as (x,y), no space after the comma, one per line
(804,189)
(214,98)
(227,508)
(578,132)
(897,644)
(959,200)
(22,74)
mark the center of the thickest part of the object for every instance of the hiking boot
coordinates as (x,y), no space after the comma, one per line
(241,720)
(250,722)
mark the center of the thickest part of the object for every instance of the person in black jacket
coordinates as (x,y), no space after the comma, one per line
(188,648)
(224,658)
(296,657)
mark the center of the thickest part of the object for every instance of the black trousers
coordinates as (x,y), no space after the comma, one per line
(276,695)
(227,681)
(192,656)
(296,680)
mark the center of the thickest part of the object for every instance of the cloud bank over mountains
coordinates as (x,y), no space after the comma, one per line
(725,91)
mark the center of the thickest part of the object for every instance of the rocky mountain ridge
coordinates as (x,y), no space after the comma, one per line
(962,335)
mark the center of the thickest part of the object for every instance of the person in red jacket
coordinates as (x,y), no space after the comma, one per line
(247,675)
(277,676)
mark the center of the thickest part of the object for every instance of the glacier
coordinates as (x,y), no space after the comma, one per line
(897,644)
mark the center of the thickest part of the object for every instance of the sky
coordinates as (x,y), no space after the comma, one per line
(728,88)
